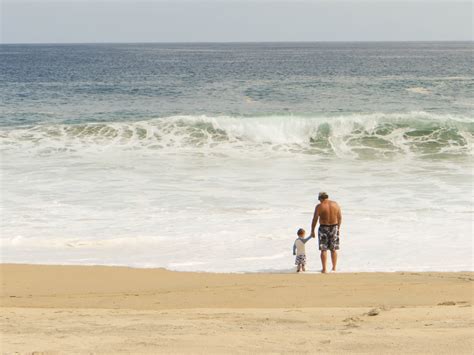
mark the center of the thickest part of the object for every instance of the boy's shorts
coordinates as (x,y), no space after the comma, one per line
(328,238)
(300,260)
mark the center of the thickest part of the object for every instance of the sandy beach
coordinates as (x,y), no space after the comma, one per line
(82,309)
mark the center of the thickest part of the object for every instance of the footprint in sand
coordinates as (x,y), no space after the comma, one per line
(447,303)
(373,312)
(351,322)
(344,332)
(352,319)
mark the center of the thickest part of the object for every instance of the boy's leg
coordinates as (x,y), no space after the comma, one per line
(324,257)
(303,267)
(298,268)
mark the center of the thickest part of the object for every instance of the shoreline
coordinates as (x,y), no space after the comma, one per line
(262,272)
(102,309)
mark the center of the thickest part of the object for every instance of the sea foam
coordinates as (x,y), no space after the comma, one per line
(201,193)
(360,136)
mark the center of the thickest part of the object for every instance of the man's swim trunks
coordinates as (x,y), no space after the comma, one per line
(328,238)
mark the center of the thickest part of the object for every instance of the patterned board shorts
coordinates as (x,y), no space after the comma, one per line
(300,260)
(328,238)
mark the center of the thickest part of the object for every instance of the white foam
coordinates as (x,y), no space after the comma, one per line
(233,200)
(378,135)
(419,90)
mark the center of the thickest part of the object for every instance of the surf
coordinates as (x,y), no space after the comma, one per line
(359,136)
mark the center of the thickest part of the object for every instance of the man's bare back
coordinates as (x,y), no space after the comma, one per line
(328,212)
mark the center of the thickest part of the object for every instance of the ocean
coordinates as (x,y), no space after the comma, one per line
(209,157)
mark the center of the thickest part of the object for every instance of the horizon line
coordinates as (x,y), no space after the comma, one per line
(240,42)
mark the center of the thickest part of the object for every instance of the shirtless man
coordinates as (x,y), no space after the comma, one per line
(329,214)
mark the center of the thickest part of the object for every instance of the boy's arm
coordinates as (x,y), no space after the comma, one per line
(306,239)
(294,248)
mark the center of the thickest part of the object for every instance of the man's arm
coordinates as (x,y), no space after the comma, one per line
(339,219)
(315,221)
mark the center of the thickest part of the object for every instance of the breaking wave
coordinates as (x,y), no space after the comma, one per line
(359,136)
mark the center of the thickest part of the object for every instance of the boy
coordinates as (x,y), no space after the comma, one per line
(299,250)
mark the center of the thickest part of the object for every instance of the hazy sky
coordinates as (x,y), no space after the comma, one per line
(42,21)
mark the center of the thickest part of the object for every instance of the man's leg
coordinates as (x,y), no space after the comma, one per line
(324,258)
(334,259)
(333,246)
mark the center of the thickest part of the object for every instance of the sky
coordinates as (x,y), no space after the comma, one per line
(88,21)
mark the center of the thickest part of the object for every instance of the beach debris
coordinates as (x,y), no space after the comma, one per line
(447,303)
(373,312)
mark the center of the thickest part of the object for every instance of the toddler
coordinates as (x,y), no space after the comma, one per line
(299,250)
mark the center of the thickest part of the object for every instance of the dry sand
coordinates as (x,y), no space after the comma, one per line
(80,309)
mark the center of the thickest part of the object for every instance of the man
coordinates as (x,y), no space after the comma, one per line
(329,214)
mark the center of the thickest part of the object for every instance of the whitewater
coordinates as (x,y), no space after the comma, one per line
(233,191)
(210,168)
